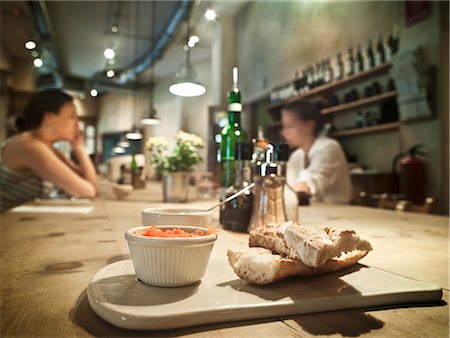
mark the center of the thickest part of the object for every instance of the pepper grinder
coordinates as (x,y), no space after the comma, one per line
(269,206)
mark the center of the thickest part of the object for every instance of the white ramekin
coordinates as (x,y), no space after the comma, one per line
(169,262)
(178,216)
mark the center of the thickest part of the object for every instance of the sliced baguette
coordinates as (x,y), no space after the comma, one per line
(260,266)
(316,245)
(268,237)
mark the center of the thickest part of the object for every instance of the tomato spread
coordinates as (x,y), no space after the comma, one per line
(154,231)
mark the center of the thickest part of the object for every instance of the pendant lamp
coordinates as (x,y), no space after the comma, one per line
(123,142)
(134,134)
(152,118)
(186,84)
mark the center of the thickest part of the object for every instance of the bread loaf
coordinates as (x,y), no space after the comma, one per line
(289,249)
(312,245)
(261,266)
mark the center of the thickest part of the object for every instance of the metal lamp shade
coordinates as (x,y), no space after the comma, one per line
(187,84)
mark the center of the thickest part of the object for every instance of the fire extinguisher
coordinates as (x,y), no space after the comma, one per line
(412,173)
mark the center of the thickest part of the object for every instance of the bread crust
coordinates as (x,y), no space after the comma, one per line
(260,266)
(312,245)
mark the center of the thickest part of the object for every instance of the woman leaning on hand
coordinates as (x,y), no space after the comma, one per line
(29,158)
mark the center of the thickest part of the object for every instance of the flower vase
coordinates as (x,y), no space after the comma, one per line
(176,186)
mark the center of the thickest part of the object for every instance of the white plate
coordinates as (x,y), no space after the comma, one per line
(117,297)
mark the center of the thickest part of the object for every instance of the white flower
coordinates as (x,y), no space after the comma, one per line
(156,142)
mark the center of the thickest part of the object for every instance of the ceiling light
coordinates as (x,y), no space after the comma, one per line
(94,92)
(123,143)
(193,40)
(118,150)
(186,81)
(81,96)
(110,73)
(114,29)
(30,44)
(109,53)
(134,134)
(152,118)
(38,63)
(210,15)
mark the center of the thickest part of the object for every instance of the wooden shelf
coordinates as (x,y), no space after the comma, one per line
(333,85)
(358,104)
(366,130)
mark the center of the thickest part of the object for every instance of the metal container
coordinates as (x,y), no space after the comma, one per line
(176,187)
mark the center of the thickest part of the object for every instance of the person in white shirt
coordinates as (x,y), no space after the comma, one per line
(318,167)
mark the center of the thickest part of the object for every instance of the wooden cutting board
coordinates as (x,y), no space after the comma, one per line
(117,297)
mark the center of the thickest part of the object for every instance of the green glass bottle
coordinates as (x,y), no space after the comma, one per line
(231,134)
(133,164)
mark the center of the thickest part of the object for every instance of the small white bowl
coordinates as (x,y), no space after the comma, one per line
(178,216)
(169,262)
(122,190)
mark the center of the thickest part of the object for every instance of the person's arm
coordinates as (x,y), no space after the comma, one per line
(322,172)
(43,162)
(85,166)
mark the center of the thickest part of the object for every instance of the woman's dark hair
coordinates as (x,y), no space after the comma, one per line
(47,101)
(307,111)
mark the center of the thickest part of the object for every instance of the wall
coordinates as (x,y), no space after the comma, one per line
(277,38)
(117,111)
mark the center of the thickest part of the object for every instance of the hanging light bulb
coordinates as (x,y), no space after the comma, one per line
(134,134)
(152,118)
(123,142)
(118,150)
(186,83)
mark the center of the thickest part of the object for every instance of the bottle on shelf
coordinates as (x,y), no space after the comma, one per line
(349,63)
(231,134)
(339,67)
(235,215)
(368,59)
(387,46)
(379,52)
(358,61)
(328,73)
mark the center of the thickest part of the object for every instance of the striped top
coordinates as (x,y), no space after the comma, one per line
(16,188)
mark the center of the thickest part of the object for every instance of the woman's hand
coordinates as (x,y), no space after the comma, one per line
(78,140)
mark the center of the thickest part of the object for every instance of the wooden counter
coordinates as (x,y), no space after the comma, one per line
(48,260)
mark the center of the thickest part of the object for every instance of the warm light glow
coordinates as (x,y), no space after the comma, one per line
(210,15)
(109,53)
(38,63)
(110,73)
(134,135)
(150,121)
(30,44)
(187,89)
(94,92)
(118,150)
(193,40)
